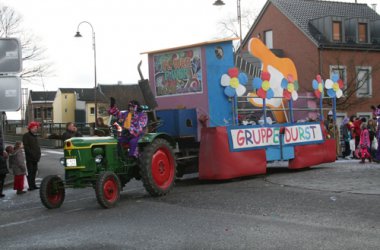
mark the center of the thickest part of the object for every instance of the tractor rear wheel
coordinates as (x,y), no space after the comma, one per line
(107,189)
(52,191)
(158,167)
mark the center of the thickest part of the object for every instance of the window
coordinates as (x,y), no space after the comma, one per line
(341,71)
(363,38)
(92,111)
(268,39)
(337,31)
(363,81)
(367,115)
(48,113)
(37,113)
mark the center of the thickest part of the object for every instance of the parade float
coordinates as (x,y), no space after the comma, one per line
(204,101)
(207,117)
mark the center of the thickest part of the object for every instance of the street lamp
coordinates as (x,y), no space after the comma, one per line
(78,34)
(221,3)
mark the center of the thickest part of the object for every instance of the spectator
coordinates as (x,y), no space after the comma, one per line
(372,135)
(32,153)
(332,131)
(71,131)
(17,164)
(346,134)
(3,170)
(100,123)
(364,143)
(357,131)
(101,129)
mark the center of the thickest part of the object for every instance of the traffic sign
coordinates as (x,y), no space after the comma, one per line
(10,93)
(10,56)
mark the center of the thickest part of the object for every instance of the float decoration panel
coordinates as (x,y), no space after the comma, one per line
(256,137)
(178,72)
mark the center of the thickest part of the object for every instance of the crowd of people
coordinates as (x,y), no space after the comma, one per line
(23,160)
(361,137)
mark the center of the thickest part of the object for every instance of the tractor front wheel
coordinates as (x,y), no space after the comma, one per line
(52,191)
(107,189)
(158,167)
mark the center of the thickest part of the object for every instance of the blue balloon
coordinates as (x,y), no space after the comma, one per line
(243,78)
(229,91)
(331,93)
(256,83)
(284,83)
(335,77)
(315,84)
(270,93)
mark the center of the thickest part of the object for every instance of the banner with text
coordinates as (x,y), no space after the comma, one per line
(251,137)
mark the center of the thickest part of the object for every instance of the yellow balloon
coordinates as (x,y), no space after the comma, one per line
(290,87)
(335,87)
(234,82)
(320,87)
(265,85)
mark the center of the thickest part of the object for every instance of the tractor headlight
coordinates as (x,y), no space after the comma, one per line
(98,159)
(63,161)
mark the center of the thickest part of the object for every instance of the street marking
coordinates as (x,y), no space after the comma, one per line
(73,210)
(53,152)
(22,222)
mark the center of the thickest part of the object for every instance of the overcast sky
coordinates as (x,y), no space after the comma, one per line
(123,28)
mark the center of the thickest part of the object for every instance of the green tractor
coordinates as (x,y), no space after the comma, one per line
(95,162)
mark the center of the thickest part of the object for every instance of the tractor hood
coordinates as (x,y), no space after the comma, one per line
(88,142)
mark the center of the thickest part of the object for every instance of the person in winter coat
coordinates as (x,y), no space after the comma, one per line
(3,170)
(364,143)
(372,135)
(357,128)
(32,153)
(71,131)
(332,131)
(17,164)
(346,134)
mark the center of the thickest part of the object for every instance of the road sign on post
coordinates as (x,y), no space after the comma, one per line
(10,66)
(10,93)
(10,56)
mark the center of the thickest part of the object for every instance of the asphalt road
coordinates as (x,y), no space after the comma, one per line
(331,206)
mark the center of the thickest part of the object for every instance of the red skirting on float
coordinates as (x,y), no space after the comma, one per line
(216,162)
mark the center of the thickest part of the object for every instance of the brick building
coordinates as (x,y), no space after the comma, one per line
(324,38)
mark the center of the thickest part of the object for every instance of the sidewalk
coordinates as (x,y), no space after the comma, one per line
(8,179)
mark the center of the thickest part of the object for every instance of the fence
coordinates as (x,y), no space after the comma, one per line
(50,134)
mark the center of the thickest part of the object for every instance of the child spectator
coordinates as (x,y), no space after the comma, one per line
(17,164)
(364,143)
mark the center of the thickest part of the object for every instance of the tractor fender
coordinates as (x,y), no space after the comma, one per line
(150,137)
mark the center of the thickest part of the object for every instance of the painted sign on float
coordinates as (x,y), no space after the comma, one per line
(244,137)
(178,72)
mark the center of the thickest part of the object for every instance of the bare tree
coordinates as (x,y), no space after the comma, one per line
(34,61)
(229,26)
(354,81)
